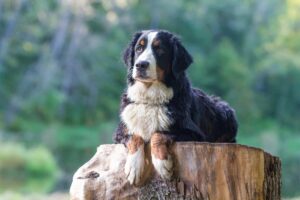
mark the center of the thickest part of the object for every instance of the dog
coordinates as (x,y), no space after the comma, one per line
(160,106)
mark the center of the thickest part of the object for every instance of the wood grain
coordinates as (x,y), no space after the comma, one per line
(202,171)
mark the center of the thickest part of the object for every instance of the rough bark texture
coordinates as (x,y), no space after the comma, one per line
(202,171)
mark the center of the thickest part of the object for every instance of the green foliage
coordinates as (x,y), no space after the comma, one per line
(74,145)
(40,162)
(277,83)
(9,166)
(227,75)
(290,172)
(26,169)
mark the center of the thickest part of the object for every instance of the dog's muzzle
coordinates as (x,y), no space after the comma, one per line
(141,69)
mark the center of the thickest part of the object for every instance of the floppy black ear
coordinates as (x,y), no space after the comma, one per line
(181,58)
(128,55)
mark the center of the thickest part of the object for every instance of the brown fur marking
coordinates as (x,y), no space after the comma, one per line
(156,42)
(134,144)
(142,42)
(159,146)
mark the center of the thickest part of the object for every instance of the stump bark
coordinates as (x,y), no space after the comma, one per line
(202,171)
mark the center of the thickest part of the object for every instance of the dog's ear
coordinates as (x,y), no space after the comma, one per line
(128,55)
(181,58)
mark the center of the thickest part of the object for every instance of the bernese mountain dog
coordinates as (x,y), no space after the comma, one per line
(160,106)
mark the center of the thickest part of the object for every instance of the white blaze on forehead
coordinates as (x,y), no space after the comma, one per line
(147,55)
(150,38)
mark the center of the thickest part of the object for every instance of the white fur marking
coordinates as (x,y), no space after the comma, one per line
(135,165)
(147,114)
(163,167)
(147,55)
(143,119)
(157,93)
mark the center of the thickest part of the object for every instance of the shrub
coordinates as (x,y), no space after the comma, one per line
(20,166)
(40,163)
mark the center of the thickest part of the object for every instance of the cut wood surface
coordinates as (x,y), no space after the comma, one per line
(202,171)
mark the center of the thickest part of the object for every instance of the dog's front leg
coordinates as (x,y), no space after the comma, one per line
(161,157)
(135,162)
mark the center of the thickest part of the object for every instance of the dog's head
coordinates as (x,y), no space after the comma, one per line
(155,55)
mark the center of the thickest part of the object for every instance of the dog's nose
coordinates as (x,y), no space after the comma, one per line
(142,65)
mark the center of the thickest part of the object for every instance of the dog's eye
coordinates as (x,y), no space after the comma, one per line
(139,49)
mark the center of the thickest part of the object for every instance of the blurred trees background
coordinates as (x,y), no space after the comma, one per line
(61,77)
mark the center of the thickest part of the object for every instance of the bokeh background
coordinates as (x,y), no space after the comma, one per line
(61,77)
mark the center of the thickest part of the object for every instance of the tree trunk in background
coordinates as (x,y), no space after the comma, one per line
(203,171)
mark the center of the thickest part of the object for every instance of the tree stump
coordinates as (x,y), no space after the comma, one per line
(202,171)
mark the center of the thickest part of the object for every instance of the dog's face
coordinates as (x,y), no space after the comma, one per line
(154,56)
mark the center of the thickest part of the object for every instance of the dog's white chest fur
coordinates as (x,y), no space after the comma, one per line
(148,113)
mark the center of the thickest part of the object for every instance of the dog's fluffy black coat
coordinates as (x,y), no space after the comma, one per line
(195,115)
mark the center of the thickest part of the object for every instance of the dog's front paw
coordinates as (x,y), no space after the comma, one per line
(134,166)
(163,167)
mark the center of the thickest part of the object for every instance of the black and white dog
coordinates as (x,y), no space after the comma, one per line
(160,106)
